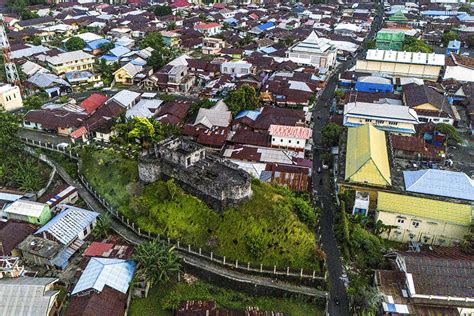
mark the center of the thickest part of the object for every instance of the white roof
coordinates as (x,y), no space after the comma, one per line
(406,57)
(386,112)
(213,117)
(131,69)
(312,44)
(26,208)
(27,296)
(68,57)
(115,273)
(29,51)
(299,85)
(145,108)
(125,97)
(88,36)
(181,60)
(30,68)
(374,79)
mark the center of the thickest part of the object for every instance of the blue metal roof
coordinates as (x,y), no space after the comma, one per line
(253,115)
(95,44)
(109,58)
(115,273)
(439,13)
(68,224)
(119,51)
(266,26)
(465,17)
(454,44)
(440,182)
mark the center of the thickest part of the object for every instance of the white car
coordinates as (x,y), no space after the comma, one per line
(62,145)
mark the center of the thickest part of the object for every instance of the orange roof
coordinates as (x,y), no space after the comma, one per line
(93,102)
(206,25)
(290,131)
(78,132)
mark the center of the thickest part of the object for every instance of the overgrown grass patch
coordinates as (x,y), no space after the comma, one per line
(164,298)
(267,229)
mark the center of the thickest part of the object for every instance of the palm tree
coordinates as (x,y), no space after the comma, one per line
(102,228)
(157,261)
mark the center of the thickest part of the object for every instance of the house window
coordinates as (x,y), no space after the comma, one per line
(273,139)
(368,120)
(298,142)
(85,231)
(415,224)
(400,221)
(281,140)
(289,141)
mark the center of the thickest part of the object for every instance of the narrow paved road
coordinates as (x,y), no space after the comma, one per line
(322,189)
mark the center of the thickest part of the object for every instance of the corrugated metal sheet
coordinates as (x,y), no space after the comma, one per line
(367,156)
(440,182)
(415,206)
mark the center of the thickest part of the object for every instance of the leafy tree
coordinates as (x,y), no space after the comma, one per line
(167,98)
(330,134)
(9,128)
(346,239)
(450,132)
(304,211)
(371,44)
(244,98)
(26,175)
(156,60)
(28,15)
(17,6)
(153,40)
(102,228)
(162,10)
(157,261)
(413,44)
(467,244)
(449,36)
(35,40)
(106,70)
(255,245)
(465,8)
(33,102)
(203,103)
(75,43)
(106,47)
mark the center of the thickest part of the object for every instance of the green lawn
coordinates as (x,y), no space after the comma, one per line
(162,299)
(263,230)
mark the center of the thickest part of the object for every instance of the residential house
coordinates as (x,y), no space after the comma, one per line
(126,98)
(428,281)
(459,68)
(102,288)
(60,121)
(145,108)
(71,61)
(50,83)
(217,116)
(56,242)
(28,296)
(212,45)
(314,51)
(289,88)
(173,112)
(10,98)
(430,105)
(11,234)
(126,74)
(402,64)
(289,137)
(397,119)
(261,120)
(237,68)
(28,211)
(373,84)
(173,77)
(171,39)
(208,29)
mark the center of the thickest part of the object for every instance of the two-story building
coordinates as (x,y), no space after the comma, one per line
(71,61)
(397,119)
(209,29)
(289,137)
(237,68)
(212,45)
(314,51)
(10,98)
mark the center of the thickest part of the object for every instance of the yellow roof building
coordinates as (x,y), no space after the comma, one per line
(367,156)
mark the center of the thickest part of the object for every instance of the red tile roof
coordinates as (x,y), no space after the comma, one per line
(203,26)
(108,250)
(97,249)
(93,102)
(180,4)
(290,131)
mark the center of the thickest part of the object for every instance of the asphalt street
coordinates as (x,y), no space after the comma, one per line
(322,191)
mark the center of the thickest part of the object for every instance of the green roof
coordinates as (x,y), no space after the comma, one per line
(398,16)
(390,36)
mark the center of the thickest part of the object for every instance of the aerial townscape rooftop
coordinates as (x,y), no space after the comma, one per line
(249,158)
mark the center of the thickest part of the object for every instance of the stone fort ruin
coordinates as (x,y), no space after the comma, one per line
(216,181)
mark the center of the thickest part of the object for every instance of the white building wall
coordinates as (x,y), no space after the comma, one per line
(287,142)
